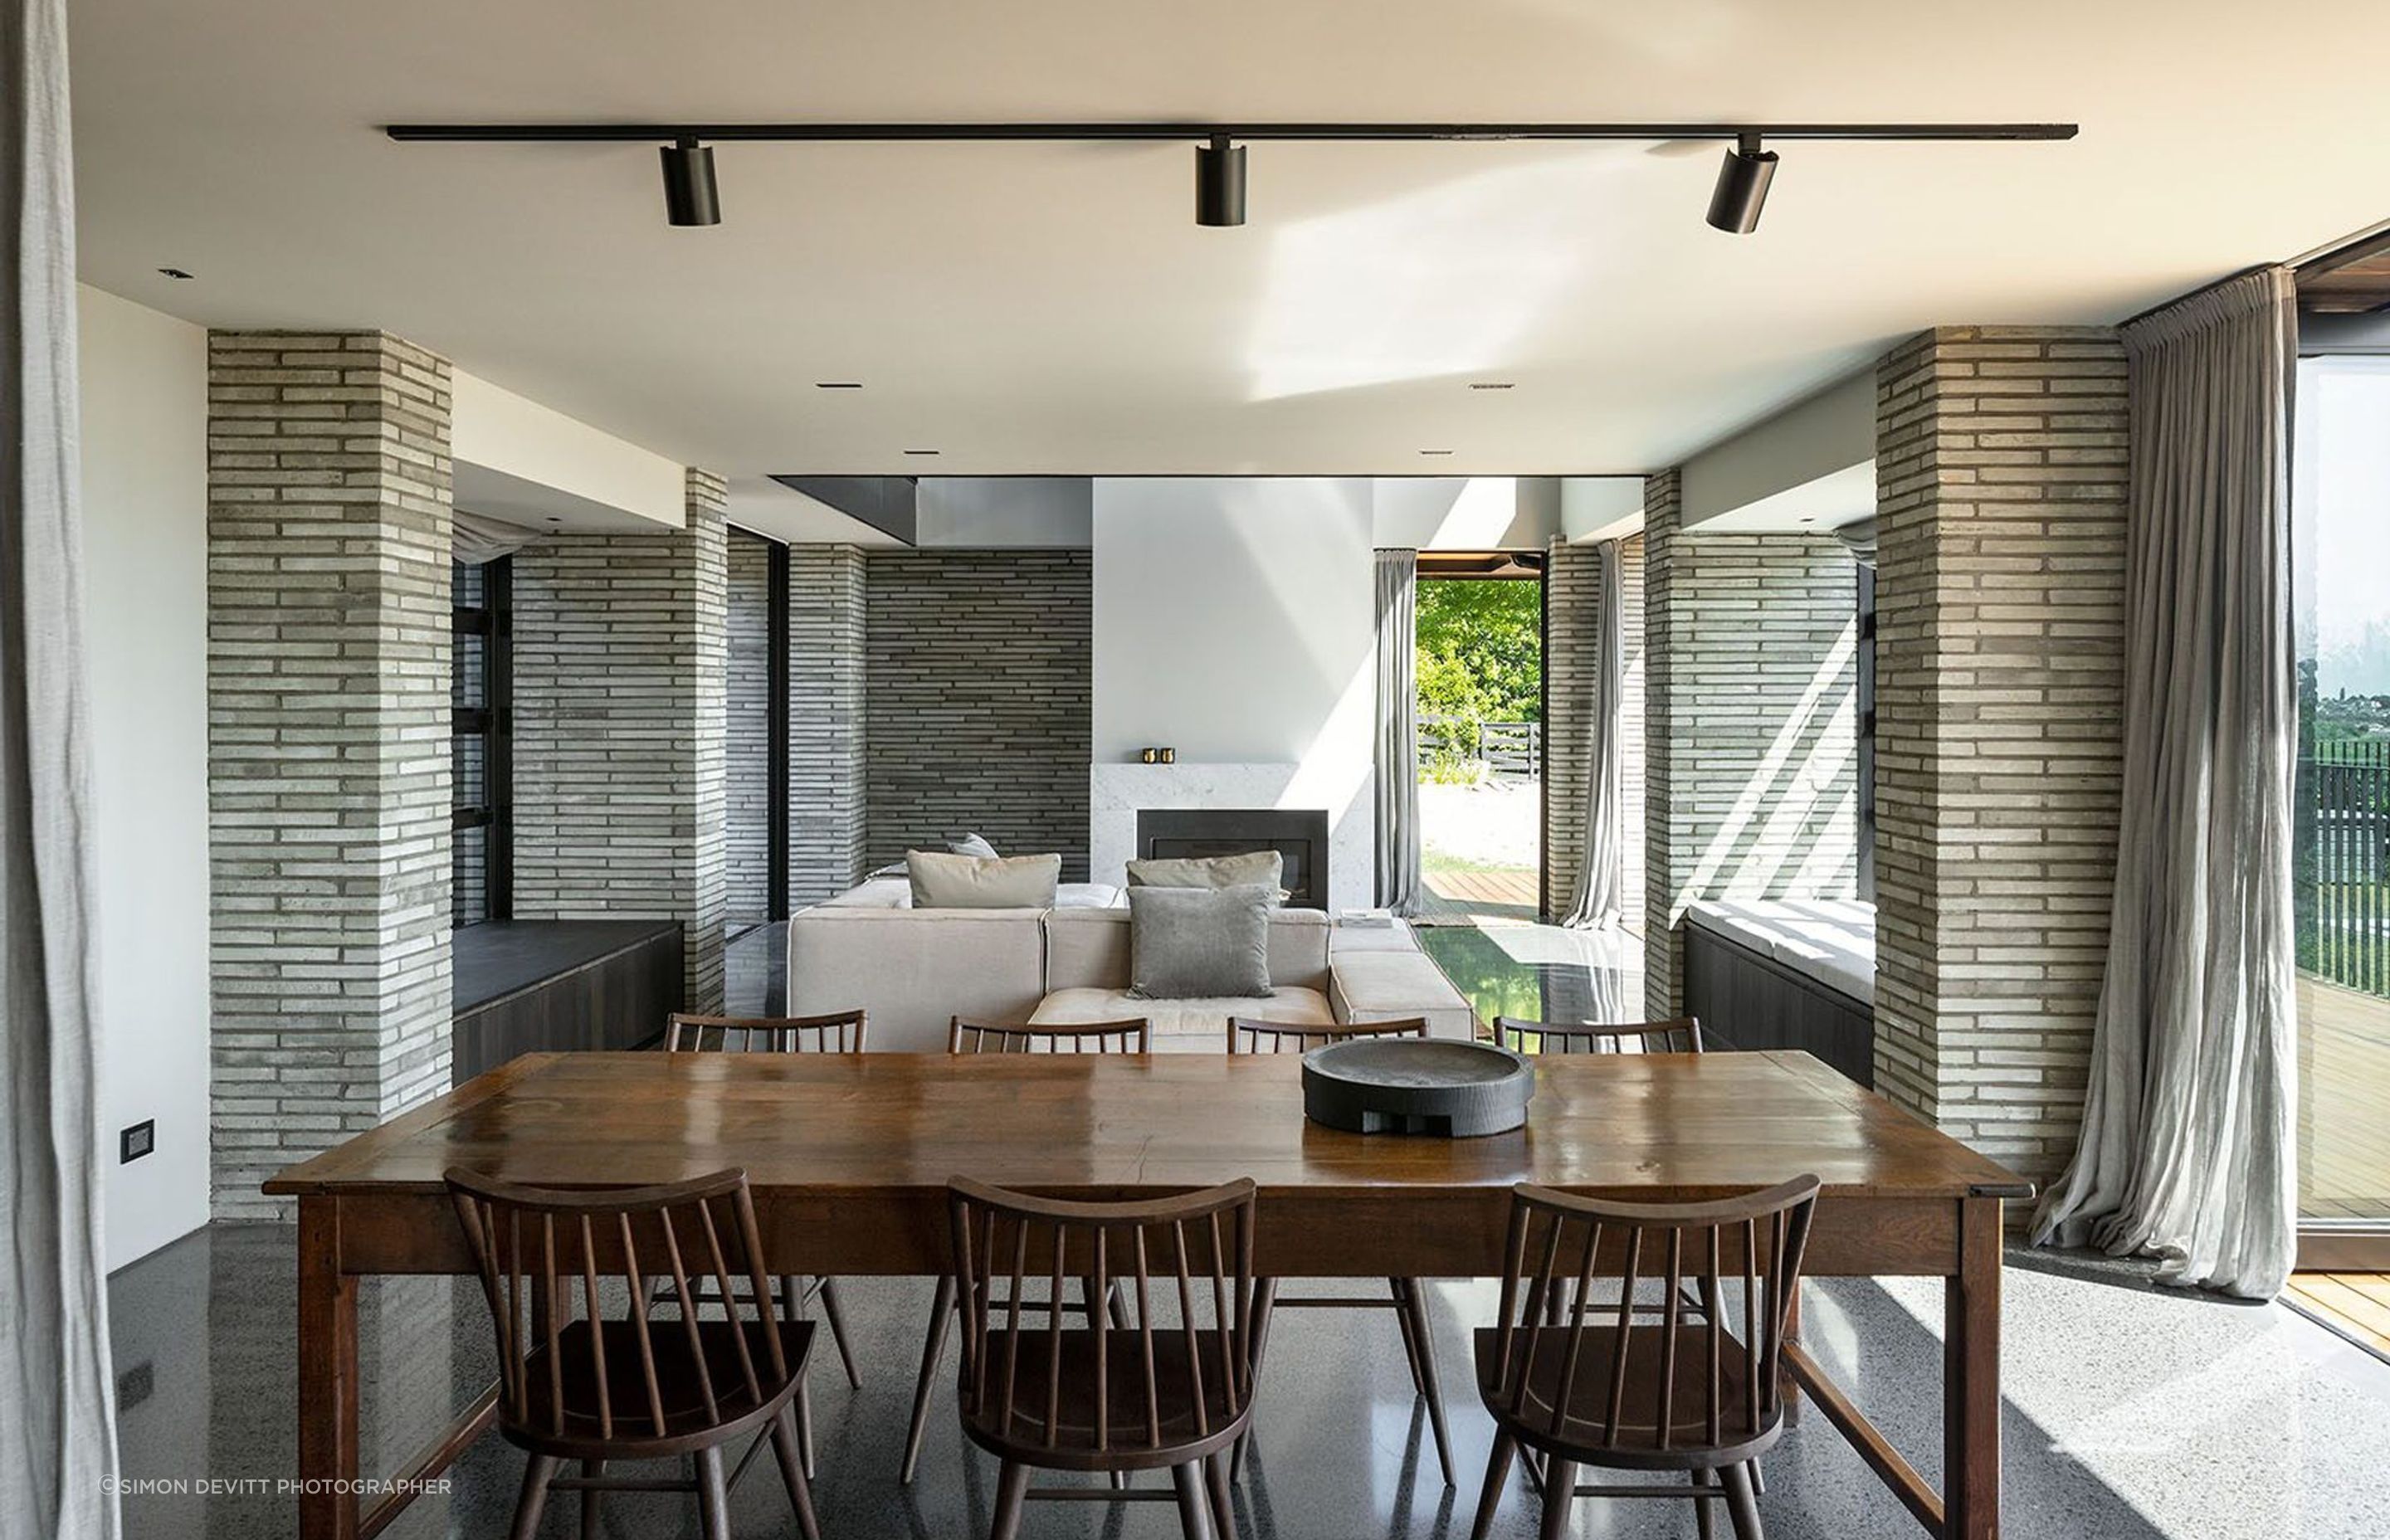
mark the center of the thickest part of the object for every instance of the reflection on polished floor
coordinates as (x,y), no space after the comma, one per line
(1541,972)
(2205,1420)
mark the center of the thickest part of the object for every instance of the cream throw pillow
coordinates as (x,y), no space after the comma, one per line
(1260,868)
(945,882)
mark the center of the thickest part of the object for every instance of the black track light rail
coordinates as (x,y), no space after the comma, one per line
(1322,133)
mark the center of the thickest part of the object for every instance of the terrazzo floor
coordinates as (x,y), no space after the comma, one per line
(2132,1414)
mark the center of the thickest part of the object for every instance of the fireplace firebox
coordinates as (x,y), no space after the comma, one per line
(1300,836)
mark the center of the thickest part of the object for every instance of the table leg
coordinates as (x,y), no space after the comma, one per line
(328,1377)
(1970,1373)
(1792,1336)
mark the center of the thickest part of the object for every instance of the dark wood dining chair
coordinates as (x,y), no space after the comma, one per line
(1167,1386)
(574,1385)
(1682,1035)
(982,1037)
(1408,1300)
(1647,1382)
(843,1031)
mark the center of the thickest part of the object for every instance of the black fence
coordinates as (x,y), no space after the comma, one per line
(2346,909)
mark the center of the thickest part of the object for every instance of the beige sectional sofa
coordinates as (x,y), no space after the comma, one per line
(912,970)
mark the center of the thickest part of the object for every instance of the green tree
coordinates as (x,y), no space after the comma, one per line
(1480,652)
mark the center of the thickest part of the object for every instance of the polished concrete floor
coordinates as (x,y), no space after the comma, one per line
(2132,1414)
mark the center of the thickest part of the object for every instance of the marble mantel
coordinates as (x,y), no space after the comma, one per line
(1117,792)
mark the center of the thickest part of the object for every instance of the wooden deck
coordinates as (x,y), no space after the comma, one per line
(1504,893)
(2343,1082)
(2356,1305)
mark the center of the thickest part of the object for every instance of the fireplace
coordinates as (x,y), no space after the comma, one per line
(1299,836)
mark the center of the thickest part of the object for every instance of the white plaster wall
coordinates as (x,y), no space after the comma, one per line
(1235,620)
(145,555)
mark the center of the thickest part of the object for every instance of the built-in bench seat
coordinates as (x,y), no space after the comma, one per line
(1786,973)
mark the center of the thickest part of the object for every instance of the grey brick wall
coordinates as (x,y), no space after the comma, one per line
(622,661)
(746,769)
(1758,794)
(328,658)
(977,714)
(826,726)
(1572,652)
(2000,474)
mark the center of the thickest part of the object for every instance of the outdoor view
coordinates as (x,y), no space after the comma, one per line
(2343,848)
(1481,681)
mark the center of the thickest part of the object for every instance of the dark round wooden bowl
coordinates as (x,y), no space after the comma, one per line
(1416,1086)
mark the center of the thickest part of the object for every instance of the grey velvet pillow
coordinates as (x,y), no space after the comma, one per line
(941,881)
(1199,944)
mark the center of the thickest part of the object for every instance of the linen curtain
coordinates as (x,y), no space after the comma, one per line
(1600,898)
(2186,1150)
(477,538)
(57,1437)
(1396,759)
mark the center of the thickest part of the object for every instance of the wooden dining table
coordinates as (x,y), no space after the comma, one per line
(849,1156)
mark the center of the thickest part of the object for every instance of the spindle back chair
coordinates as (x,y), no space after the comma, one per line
(841,1031)
(1165,1383)
(1126,1036)
(1680,1035)
(1586,1375)
(588,1372)
(1407,1298)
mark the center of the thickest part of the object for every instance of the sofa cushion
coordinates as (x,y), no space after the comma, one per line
(973,844)
(1261,868)
(1197,942)
(1184,1026)
(1089,947)
(913,969)
(1394,987)
(896,892)
(943,880)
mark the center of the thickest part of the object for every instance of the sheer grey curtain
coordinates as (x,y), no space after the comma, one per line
(1396,759)
(57,1439)
(2187,1148)
(1600,898)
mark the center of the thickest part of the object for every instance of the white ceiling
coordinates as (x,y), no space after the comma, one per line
(1053,308)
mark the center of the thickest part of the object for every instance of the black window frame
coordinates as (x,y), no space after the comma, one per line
(493,722)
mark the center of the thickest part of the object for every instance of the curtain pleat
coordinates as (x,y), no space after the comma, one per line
(2187,1145)
(1601,896)
(1396,757)
(57,1437)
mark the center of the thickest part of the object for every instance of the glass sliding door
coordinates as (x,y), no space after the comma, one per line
(2341,498)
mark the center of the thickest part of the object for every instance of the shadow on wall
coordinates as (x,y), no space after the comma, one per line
(1791,829)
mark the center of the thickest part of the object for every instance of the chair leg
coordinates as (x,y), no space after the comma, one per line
(1740,1506)
(1560,1490)
(1410,1342)
(837,1318)
(1498,1471)
(1011,1489)
(1194,1503)
(1424,1339)
(1224,1513)
(795,1473)
(1265,1303)
(806,1424)
(590,1470)
(941,1314)
(713,1496)
(528,1507)
(1704,1522)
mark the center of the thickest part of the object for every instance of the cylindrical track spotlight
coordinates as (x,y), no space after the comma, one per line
(1219,183)
(690,197)
(1742,189)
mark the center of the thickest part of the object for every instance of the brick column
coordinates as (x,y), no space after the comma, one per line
(2000,474)
(1751,668)
(328,549)
(826,746)
(620,659)
(747,760)
(1572,650)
